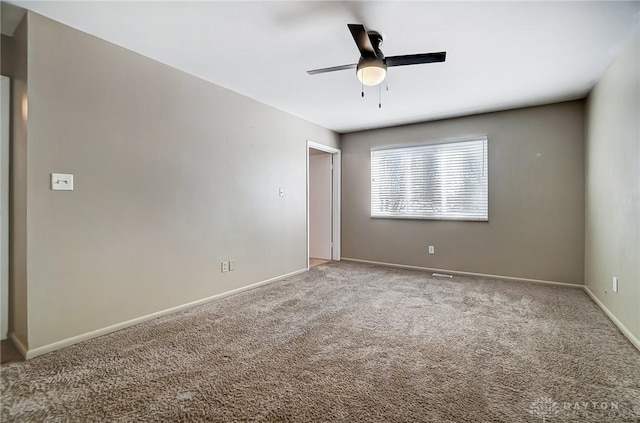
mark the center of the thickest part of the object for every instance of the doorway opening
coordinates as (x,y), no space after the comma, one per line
(323,204)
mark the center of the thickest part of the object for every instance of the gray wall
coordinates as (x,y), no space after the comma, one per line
(172,176)
(536,198)
(612,227)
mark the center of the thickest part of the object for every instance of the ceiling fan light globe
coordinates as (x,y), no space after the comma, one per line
(371,73)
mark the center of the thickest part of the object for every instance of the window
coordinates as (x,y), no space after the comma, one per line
(439,180)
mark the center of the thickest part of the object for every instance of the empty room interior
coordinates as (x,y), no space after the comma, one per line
(320,211)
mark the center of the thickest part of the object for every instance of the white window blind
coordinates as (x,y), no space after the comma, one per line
(441,180)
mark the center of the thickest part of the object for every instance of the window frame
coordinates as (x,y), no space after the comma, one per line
(483,137)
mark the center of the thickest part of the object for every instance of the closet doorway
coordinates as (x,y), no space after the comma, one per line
(323,204)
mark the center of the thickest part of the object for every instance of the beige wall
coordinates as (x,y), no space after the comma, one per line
(536,198)
(612,227)
(172,176)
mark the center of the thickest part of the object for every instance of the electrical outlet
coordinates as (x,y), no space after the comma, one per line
(232,265)
(615,284)
(432,249)
(224,266)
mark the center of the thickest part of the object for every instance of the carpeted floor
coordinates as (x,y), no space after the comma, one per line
(347,342)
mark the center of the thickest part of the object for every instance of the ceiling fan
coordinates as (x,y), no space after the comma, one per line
(371,69)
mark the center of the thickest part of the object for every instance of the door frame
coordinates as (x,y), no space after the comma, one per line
(5,106)
(335,188)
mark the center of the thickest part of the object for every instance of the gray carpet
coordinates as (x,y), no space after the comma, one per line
(347,342)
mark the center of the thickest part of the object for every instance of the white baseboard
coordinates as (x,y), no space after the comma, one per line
(456,272)
(30,353)
(626,332)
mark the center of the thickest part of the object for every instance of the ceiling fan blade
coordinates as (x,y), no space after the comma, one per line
(362,40)
(416,59)
(331,69)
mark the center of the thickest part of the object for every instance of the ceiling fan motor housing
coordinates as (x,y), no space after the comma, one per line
(376,41)
(371,71)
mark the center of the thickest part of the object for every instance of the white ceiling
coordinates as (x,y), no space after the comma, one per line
(499,54)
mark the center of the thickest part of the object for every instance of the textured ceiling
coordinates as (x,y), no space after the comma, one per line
(499,54)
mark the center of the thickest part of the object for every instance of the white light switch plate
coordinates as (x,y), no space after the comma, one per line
(62,182)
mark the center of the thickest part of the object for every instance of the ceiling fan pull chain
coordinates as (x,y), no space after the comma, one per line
(379,96)
(362,90)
